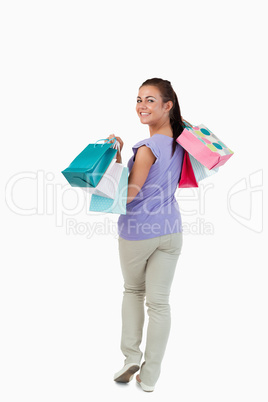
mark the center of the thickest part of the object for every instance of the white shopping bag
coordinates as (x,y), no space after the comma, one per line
(109,182)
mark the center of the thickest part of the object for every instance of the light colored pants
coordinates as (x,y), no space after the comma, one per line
(148,268)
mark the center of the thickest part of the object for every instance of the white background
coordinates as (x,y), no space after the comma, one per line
(70,72)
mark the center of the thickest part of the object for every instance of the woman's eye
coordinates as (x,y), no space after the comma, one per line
(149,100)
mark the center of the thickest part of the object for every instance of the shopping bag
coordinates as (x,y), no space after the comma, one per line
(108,185)
(204,146)
(116,205)
(187,178)
(201,172)
(89,166)
(193,172)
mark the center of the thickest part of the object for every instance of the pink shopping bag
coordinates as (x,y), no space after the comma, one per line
(187,178)
(203,145)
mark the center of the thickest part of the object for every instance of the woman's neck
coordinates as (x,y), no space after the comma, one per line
(164,129)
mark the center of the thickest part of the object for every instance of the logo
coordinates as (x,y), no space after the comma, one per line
(245,201)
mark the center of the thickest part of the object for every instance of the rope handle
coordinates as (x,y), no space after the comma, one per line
(105,139)
(186,123)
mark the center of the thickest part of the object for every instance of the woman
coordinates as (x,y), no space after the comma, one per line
(150,234)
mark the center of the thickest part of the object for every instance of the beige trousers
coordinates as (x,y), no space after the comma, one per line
(148,268)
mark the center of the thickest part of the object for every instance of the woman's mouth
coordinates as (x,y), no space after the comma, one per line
(144,114)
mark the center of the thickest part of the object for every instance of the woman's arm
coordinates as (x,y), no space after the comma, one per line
(118,157)
(144,159)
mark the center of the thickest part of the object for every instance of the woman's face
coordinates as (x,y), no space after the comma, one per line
(150,107)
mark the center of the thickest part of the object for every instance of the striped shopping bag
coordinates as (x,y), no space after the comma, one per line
(193,172)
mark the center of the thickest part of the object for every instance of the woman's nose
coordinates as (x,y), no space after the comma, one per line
(142,106)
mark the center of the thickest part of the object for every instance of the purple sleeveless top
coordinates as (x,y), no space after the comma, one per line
(155,211)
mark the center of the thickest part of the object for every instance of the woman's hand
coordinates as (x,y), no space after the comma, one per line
(118,154)
(118,139)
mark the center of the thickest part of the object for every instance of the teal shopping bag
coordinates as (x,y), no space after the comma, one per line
(89,166)
(116,205)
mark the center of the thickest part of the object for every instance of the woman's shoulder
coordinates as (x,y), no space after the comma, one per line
(156,139)
(151,143)
(149,140)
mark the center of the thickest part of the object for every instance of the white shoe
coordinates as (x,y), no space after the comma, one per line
(146,388)
(127,372)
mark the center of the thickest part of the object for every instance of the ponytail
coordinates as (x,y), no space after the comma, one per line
(176,122)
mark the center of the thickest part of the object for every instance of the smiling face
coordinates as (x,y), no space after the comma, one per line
(150,107)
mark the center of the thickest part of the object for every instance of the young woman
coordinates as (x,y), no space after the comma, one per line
(150,234)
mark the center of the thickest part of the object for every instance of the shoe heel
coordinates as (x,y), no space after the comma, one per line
(127,373)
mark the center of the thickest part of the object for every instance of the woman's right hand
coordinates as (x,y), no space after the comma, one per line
(118,154)
(118,139)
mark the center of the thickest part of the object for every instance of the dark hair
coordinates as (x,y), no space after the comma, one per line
(168,94)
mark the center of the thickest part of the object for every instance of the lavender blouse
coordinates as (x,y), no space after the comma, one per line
(155,211)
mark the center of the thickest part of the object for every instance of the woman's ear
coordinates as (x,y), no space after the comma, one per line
(168,106)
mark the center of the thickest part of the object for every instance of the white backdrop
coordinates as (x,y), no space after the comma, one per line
(70,72)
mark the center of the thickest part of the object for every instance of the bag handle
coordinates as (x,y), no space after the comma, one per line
(105,139)
(186,123)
